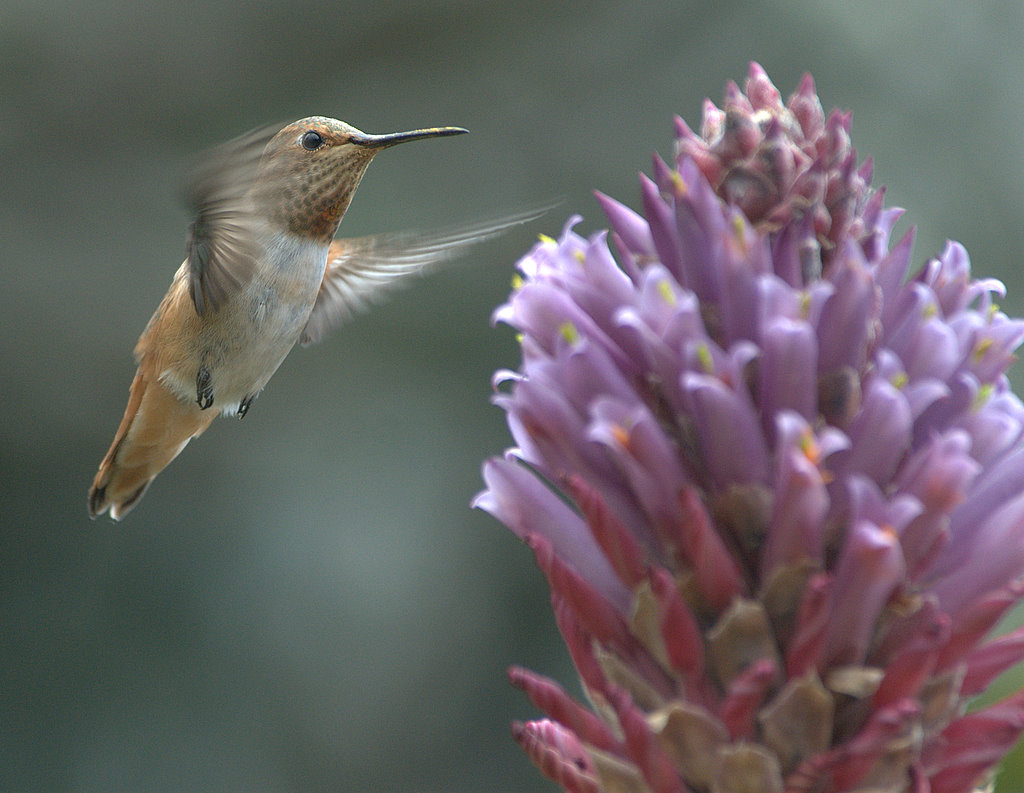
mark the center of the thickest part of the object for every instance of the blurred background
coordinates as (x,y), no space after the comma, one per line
(304,600)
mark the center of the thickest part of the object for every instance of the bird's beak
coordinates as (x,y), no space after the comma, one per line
(394,138)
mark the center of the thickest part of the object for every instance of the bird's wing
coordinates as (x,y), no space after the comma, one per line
(361,270)
(222,246)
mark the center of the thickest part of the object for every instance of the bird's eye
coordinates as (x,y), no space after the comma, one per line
(311,141)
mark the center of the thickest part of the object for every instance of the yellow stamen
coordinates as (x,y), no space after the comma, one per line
(569,333)
(678,184)
(665,290)
(982,348)
(805,305)
(739,228)
(705,360)
(809,447)
(983,396)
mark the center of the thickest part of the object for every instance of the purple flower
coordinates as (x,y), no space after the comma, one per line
(775,480)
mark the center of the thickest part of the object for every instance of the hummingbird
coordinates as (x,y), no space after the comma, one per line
(262,272)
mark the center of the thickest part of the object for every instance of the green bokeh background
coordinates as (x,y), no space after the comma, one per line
(304,599)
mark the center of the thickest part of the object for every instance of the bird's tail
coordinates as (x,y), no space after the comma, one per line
(156,426)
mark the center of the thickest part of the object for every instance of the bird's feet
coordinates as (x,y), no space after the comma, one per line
(243,406)
(204,388)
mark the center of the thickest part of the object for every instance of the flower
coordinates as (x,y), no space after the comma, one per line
(775,481)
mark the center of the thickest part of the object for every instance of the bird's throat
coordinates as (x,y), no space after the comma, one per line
(312,207)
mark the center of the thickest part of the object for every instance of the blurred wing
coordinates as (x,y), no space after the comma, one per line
(222,247)
(362,270)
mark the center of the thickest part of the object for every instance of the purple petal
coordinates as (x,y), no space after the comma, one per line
(517,498)
(631,227)
(995,555)
(801,500)
(843,324)
(869,570)
(620,547)
(879,434)
(700,227)
(789,371)
(731,443)
(662,228)
(995,429)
